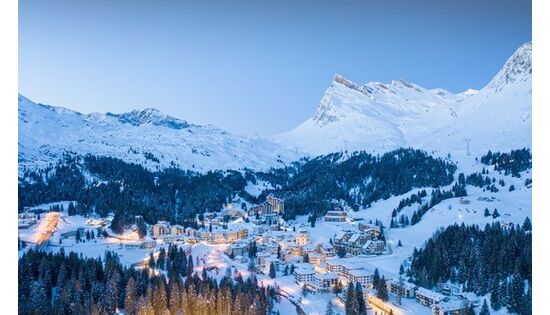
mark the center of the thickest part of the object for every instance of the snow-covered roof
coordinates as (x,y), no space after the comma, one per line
(354,237)
(304,269)
(451,305)
(360,273)
(326,276)
(404,284)
(470,296)
(430,294)
(339,235)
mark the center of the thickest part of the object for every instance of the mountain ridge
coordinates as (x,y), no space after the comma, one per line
(378,117)
(147,137)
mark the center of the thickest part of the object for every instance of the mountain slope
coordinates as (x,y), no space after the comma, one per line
(147,137)
(380,117)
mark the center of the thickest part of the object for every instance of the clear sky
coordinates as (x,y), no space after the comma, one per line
(254,66)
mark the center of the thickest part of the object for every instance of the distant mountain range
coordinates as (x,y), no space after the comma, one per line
(378,117)
(375,117)
(146,137)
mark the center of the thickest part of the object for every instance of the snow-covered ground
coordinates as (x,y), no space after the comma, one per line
(513,206)
(46,132)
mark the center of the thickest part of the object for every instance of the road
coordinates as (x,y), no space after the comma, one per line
(46,228)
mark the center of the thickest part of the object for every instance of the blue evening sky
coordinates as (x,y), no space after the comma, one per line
(254,66)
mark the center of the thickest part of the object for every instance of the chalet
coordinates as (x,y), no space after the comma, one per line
(471,297)
(451,307)
(361,276)
(315,258)
(428,297)
(334,265)
(448,288)
(326,249)
(359,242)
(26,219)
(272,205)
(404,288)
(325,281)
(335,216)
(374,247)
(161,228)
(177,230)
(302,237)
(238,249)
(369,229)
(304,274)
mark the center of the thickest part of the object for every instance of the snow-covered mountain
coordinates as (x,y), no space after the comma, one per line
(379,117)
(141,136)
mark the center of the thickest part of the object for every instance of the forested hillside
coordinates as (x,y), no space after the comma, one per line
(69,284)
(493,260)
(105,184)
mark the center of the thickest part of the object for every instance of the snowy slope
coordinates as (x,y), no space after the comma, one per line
(380,117)
(46,132)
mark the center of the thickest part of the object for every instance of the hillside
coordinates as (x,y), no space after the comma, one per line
(147,137)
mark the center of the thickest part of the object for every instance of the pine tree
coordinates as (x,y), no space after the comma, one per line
(161,259)
(382,291)
(272,273)
(351,301)
(495,296)
(360,299)
(484,308)
(160,297)
(527,226)
(516,293)
(337,287)
(151,262)
(330,308)
(131,296)
(376,279)
(486,213)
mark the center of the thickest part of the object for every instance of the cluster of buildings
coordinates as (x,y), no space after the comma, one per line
(26,219)
(333,271)
(365,241)
(166,232)
(448,300)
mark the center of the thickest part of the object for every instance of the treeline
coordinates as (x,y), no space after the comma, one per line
(511,163)
(69,284)
(403,220)
(104,184)
(492,260)
(458,190)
